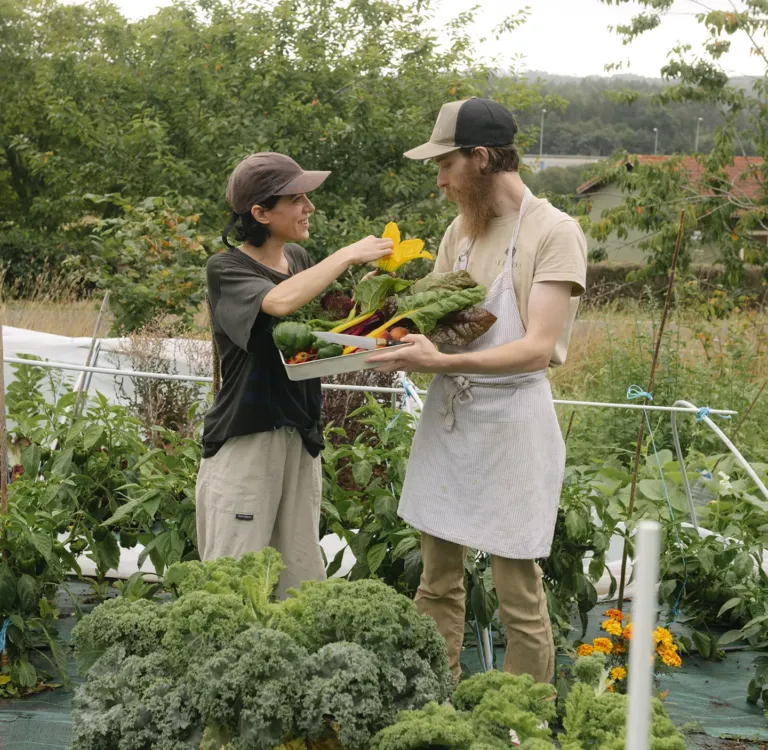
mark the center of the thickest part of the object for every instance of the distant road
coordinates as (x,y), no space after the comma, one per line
(537,163)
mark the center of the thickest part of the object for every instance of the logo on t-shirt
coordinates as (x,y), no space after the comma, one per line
(244,516)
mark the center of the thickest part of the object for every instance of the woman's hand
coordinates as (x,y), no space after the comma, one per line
(366,250)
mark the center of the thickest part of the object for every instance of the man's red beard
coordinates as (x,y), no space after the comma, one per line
(475,200)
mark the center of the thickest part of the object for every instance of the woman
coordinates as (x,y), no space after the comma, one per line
(260,478)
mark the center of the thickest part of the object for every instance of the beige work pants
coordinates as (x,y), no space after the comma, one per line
(259,491)
(522,607)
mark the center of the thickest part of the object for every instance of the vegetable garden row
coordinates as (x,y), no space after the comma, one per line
(220,665)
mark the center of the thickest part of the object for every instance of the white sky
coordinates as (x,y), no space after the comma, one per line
(572,37)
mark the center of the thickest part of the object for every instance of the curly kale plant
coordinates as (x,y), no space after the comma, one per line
(251,691)
(599,721)
(137,626)
(344,684)
(200,624)
(432,726)
(133,703)
(253,577)
(412,654)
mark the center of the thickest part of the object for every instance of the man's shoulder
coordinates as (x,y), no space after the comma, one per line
(548,215)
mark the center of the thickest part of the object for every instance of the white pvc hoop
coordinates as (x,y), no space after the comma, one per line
(334,387)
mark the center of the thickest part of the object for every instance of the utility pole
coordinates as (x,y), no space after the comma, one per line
(656,142)
(541,133)
(698,124)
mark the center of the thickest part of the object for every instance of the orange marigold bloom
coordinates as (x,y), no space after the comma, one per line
(671,658)
(612,627)
(663,636)
(627,634)
(619,649)
(610,688)
(603,645)
(614,614)
(618,673)
(585,650)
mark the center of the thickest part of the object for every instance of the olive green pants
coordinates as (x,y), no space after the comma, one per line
(522,607)
(259,491)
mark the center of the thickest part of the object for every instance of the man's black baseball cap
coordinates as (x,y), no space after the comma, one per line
(466,124)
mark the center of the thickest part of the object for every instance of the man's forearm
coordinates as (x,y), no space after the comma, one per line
(514,358)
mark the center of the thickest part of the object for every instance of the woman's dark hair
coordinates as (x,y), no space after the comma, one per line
(247,229)
(500,158)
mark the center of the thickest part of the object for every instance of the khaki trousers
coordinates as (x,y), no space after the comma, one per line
(259,491)
(522,607)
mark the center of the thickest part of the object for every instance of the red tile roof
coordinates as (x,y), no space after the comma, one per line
(744,173)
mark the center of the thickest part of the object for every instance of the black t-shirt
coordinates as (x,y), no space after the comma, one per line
(256,394)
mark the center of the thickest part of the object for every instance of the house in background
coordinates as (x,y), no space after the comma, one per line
(605,195)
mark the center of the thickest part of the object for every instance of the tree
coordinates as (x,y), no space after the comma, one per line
(715,202)
(167,106)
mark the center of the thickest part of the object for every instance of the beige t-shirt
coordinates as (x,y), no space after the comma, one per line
(550,247)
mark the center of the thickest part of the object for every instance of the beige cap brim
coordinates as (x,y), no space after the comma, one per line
(306,182)
(429,150)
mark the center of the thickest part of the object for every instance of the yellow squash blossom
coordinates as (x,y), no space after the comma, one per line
(618,673)
(612,627)
(402,252)
(603,645)
(614,614)
(585,650)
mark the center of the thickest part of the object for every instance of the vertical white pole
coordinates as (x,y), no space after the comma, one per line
(644,610)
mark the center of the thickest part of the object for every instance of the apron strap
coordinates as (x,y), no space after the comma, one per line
(455,389)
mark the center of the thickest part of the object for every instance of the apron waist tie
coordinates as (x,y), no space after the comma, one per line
(458,388)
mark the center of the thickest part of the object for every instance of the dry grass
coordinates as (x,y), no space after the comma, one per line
(55,310)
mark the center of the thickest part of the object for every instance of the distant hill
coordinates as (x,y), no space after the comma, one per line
(594,124)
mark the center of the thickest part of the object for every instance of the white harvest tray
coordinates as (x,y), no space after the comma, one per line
(320,368)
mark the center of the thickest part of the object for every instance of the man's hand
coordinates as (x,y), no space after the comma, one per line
(421,356)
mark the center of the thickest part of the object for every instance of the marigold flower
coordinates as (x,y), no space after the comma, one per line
(612,627)
(614,614)
(671,658)
(663,636)
(619,649)
(585,650)
(610,688)
(603,645)
(627,634)
(618,673)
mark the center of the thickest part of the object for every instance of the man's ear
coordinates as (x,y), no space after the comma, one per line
(260,213)
(480,155)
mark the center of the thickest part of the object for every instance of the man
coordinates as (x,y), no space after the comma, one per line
(488,458)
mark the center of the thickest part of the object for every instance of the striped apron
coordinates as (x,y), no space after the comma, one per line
(488,457)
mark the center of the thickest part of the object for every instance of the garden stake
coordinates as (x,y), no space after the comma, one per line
(3,437)
(641,430)
(81,383)
(746,413)
(570,424)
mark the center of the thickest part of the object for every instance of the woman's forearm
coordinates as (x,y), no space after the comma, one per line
(296,291)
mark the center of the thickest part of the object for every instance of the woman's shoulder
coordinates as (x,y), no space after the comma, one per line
(300,256)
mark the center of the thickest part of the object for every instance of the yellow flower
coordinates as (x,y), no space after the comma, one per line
(627,634)
(585,650)
(619,649)
(402,252)
(618,673)
(614,614)
(603,645)
(612,627)
(663,636)
(670,658)
(610,688)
